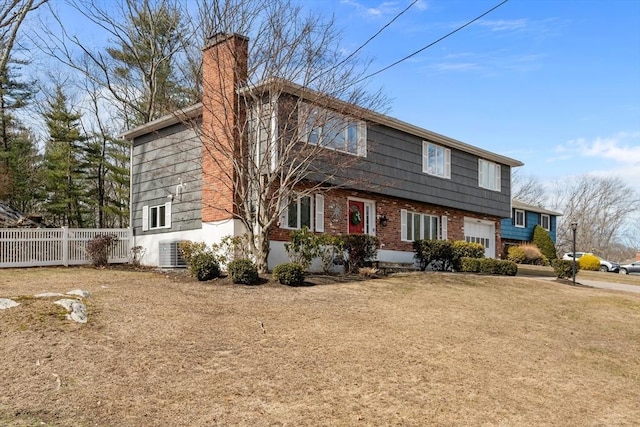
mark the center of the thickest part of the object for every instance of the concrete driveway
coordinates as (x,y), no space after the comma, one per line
(599,285)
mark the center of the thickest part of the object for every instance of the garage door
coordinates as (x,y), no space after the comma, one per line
(483,232)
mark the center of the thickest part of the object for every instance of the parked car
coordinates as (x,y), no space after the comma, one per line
(605,266)
(634,267)
(608,266)
(569,255)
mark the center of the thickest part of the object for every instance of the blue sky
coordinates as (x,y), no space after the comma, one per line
(554,84)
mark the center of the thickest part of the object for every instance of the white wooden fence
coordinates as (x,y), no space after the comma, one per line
(57,246)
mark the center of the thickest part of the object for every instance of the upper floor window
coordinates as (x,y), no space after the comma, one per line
(329,129)
(262,135)
(436,160)
(417,226)
(489,175)
(545,221)
(518,218)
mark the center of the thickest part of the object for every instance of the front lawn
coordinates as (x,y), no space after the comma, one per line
(420,349)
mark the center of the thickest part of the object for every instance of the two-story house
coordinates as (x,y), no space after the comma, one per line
(518,227)
(412,183)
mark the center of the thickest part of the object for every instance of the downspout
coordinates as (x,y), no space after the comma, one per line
(131,227)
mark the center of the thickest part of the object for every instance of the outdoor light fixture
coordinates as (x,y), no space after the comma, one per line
(574,227)
(383,220)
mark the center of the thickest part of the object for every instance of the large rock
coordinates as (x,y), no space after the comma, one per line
(7,303)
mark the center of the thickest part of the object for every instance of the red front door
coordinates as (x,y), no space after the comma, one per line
(356,217)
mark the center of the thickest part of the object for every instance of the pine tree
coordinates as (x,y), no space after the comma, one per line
(146,60)
(19,159)
(65,164)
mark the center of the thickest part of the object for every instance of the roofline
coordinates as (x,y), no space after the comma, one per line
(176,117)
(520,205)
(319,98)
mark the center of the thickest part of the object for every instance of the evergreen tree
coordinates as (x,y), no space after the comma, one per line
(542,240)
(65,164)
(146,60)
(19,160)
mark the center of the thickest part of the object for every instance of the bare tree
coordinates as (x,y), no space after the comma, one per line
(601,207)
(527,189)
(292,71)
(141,67)
(12,15)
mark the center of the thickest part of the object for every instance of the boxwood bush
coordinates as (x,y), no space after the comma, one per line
(243,271)
(488,266)
(204,266)
(289,273)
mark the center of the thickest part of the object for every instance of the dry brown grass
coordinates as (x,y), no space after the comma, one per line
(421,349)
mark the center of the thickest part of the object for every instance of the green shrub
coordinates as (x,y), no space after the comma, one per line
(461,249)
(302,247)
(98,248)
(506,268)
(290,273)
(589,262)
(542,240)
(243,271)
(204,266)
(564,268)
(487,266)
(189,249)
(469,265)
(231,248)
(359,248)
(436,254)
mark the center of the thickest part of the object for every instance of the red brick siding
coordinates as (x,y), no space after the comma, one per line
(224,68)
(390,236)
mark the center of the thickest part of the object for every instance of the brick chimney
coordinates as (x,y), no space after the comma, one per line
(224,69)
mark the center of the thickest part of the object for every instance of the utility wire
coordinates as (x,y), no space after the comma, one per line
(431,44)
(352,54)
(376,34)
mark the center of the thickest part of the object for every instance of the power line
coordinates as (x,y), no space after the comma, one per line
(352,54)
(432,43)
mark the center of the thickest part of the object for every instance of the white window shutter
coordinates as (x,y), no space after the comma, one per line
(403,224)
(425,157)
(498,183)
(167,215)
(447,163)
(319,212)
(145,218)
(443,227)
(480,174)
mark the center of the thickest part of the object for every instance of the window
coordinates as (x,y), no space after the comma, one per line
(545,222)
(417,226)
(156,217)
(436,160)
(262,131)
(302,211)
(518,218)
(332,130)
(489,175)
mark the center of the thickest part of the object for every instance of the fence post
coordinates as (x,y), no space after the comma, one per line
(65,246)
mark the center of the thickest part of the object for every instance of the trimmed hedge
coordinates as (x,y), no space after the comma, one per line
(542,240)
(489,266)
(289,273)
(360,248)
(243,271)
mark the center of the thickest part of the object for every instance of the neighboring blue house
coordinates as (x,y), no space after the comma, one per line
(519,228)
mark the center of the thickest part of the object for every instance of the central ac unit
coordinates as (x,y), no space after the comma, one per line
(170,255)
